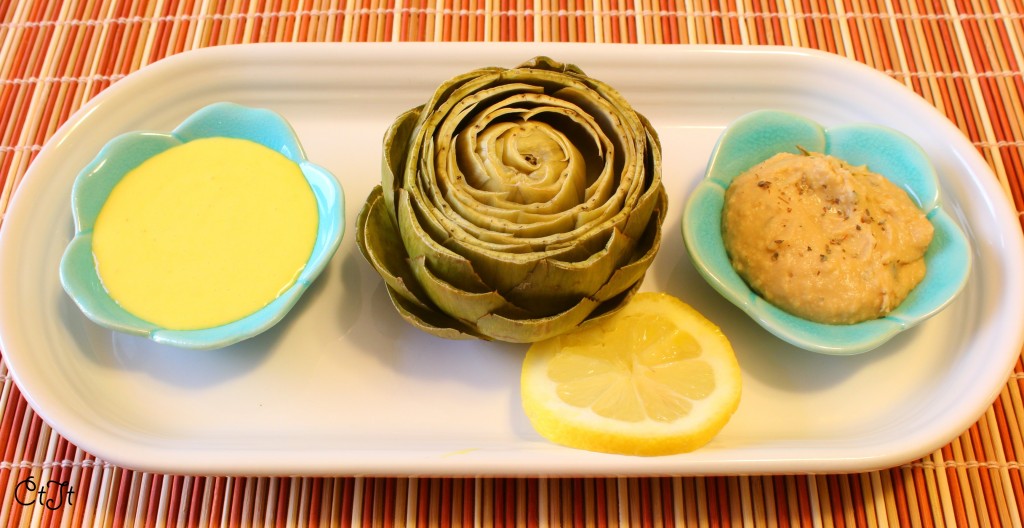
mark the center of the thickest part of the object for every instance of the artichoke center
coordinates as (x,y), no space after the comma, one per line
(527,151)
(532,162)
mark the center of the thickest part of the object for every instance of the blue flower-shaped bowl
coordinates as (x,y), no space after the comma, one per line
(94,183)
(758,136)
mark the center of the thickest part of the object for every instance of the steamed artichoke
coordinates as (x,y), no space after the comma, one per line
(515,204)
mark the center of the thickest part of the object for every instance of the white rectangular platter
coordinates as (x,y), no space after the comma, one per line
(344,387)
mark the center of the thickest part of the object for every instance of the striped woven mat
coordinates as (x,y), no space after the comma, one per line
(964,57)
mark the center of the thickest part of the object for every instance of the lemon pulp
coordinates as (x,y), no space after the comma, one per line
(655,378)
(205,233)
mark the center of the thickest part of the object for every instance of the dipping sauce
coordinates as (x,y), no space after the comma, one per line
(824,240)
(205,233)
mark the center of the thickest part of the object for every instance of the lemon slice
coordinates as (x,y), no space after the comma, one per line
(655,378)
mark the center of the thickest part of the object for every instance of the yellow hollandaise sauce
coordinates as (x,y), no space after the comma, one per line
(205,233)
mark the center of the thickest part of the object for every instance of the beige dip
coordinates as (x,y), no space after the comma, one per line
(824,240)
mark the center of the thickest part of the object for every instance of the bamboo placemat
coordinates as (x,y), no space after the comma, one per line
(964,57)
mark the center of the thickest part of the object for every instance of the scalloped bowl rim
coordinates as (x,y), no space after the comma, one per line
(92,186)
(858,338)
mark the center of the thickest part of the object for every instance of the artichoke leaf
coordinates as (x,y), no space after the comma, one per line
(609,109)
(395,158)
(438,222)
(446,94)
(552,283)
(476,206)
(637,218)
(460,304)
(575,245)
(479,165)
(430,321)
(502,232)
(505,271)
(543,62)
(436,219)
(603,102)
(446,264)
(583,247)
(529,330)
(551,79)
(434,216)
(465,233)
(612,305)
(625,276)
(498,231)
(501,270)
(429,115)
(380,244)
(570,246)
(560,82)
(501,96)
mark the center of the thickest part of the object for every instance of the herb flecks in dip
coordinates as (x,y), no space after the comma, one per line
(824,240)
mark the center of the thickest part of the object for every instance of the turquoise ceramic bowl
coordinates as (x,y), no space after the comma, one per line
(94,183)
(756,137)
